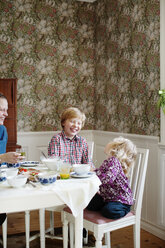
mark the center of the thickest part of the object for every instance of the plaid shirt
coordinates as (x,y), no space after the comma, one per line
(74,151)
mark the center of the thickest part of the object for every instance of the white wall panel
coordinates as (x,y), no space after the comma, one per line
(33,142)
(161,194)
(163,191)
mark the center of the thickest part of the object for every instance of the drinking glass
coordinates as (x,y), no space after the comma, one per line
(22,153)
(65,170)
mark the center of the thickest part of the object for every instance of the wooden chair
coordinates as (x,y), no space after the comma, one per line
(99,225)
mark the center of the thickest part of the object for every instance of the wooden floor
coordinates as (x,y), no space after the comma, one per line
(122,238)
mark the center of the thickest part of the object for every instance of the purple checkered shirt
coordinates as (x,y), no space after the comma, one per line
(74,151)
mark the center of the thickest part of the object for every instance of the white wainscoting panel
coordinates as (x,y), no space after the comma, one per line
(162,186)
(163,190)
(153,209)
(34,142)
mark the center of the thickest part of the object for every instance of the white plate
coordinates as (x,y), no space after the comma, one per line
(30,163)
(89,174)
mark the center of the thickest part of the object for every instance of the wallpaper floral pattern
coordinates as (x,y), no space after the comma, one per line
(127,66)
(102,57)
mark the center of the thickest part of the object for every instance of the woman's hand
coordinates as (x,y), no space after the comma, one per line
(11,157)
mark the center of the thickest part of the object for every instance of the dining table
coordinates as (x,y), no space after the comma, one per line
(76,193)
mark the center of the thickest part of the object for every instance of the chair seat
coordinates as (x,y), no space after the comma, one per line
(96,217)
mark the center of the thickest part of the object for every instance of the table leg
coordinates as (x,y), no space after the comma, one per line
(27,227)
(42,227)
(79,230)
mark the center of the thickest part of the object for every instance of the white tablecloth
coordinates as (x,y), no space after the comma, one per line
(75,193)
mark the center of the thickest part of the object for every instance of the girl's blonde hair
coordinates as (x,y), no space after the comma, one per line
(71,113)
(124,150)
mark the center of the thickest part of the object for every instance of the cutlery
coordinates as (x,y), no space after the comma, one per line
(33,184)
(43,154)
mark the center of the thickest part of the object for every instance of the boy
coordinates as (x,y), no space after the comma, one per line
(68,145)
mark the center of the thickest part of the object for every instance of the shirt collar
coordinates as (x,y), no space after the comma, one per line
(76,137)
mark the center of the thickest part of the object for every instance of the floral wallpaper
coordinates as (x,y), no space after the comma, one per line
(101,57)
(127,66)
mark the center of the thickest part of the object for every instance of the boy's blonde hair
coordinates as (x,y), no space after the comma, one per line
(71,113)
(124,150)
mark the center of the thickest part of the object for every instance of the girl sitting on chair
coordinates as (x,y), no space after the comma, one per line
(114,198)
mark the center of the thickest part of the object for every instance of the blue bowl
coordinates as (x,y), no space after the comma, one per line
(16,165)
(47,178)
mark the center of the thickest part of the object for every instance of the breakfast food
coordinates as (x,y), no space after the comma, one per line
(30,173)
(64,175)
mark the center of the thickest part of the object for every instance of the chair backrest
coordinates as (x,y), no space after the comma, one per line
(137,178)
(91,148)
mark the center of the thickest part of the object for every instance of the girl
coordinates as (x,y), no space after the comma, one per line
(114,198)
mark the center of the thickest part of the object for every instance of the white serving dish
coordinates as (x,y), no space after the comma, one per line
(52,163)
(81,169)
(47,178)
(17,181)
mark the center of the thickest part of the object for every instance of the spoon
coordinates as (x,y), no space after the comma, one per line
(44,154)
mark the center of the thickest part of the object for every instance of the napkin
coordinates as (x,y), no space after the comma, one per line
(76,194)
